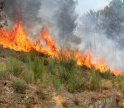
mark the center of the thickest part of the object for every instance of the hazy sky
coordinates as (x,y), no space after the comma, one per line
(86,5)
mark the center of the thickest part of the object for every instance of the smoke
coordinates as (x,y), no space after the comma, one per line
(98,42)
(58,15)
(102,47)
(60,18)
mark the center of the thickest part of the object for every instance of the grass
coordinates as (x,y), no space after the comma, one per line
(62,73)
(65,73)
(14,66)
(2,69)
(19,87)
(28,76)
(118,83)
(95,81)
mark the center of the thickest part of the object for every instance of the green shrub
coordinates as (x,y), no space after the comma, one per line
(37,67)
(107,75)
(95,81)
(19,87)
(118,83)
(28,76)
(14,66)
(1,73)
(53,65)
(56,82)
(65,72)
(74,79)
(2,69)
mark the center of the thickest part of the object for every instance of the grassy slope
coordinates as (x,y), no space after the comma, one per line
(61,74)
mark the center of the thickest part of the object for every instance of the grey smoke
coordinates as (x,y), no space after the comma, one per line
(38,13)
(102,47)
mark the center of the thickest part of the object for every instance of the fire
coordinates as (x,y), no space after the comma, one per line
(18,41)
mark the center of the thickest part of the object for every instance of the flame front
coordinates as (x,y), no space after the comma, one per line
(18,41)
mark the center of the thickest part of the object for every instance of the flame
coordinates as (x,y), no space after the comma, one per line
(18,41)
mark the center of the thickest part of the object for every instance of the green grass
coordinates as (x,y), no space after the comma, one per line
(65,73)
(2,69)
(14,66)
(118,83)
(95,81)
(107,75)
(28,76)
(19,87)
(62,73)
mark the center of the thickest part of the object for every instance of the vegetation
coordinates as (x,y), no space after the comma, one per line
(19,87)
(60,74)
(118,83)
(2,69)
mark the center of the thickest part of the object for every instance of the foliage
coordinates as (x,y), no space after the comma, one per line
(15,66)
(2,69)
(118,83)
(62,73)
(95,81)
(19,86)
(107,75)
(65,72)
(28,76)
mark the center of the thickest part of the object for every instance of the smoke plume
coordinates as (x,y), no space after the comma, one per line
(59,16)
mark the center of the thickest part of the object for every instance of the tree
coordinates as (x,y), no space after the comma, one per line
(109,21)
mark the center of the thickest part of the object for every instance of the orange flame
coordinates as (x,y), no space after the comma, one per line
(18,41)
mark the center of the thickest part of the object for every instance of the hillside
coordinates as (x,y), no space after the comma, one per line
(33,80)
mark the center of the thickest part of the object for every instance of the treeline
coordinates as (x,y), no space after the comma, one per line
(109,21)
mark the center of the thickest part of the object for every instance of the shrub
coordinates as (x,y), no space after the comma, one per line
(107,75)
(19,87)
(2,69)
(56,82)
(28,76)
(118,83)
(1,74)
(95,81)
(14,66)
(38,68)
(65,72)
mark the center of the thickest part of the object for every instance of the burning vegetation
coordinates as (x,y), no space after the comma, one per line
(62,60)
(33,63)
(18,41)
